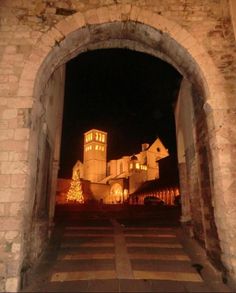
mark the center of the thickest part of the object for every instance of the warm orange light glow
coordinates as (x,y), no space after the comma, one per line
(75,193)
(99,148)
(89,137)
(143,167)
(99,137)
(88,148)
(126,194)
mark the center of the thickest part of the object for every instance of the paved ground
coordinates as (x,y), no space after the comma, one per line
(109,249)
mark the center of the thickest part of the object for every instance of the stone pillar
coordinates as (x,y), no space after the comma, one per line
(185,141)
(55,168)
(223,152)
(14,175)
(184,187)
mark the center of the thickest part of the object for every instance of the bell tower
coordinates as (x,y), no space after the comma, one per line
(95,155)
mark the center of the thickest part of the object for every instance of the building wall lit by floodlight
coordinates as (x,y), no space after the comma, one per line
(114,181)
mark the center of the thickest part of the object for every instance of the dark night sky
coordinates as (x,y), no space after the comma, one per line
(126,93)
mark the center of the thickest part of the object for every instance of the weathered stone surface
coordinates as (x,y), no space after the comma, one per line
(14,168)
(7,224)
(9,113)
(10,235)
(21,134)
(4,181)
(2,210)
(14,209)
(18,156)
(12,284)
(18,181)
(11,195)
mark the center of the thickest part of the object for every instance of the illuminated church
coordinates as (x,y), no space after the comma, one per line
(114,181)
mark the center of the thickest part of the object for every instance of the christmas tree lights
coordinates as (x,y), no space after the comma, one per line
(75,193)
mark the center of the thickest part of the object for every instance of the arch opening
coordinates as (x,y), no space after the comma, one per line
(100,96)
(139,37)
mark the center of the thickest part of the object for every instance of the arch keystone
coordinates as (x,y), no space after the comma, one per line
(114,13)
(103,14)
(91,16)
(134,14)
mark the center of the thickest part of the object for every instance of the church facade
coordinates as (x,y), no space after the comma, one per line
(113,181)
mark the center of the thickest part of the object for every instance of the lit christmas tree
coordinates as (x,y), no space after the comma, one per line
(75,193)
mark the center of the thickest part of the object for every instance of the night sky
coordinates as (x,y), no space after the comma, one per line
(128,94)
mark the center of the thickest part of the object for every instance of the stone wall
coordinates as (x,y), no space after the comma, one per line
(99,191)
(36,37)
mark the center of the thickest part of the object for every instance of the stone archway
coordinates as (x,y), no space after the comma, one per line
(128,26)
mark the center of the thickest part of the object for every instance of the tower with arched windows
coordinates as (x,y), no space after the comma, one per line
(95,155)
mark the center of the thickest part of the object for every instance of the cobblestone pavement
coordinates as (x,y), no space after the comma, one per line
(117,252)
